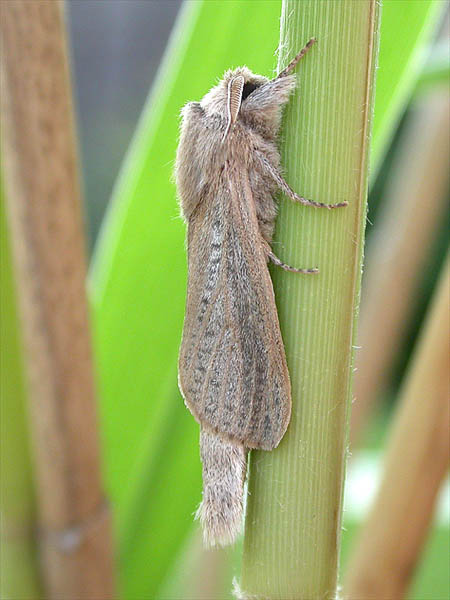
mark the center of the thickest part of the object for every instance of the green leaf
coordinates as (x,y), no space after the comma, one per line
(406,29)
(436,72)
(19,576)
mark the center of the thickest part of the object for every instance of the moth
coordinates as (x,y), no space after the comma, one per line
(233,373)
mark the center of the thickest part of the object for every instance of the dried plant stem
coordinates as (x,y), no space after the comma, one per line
(293,520)
(416,463)
(43,203)
(416,199)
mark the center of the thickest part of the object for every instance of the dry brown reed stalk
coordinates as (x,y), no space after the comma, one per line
(389,545)
(397,255)
(43,202)
(19,573)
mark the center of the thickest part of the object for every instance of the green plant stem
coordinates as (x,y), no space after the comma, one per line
(293,520)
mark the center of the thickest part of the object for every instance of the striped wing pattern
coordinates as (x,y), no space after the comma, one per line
(232,366)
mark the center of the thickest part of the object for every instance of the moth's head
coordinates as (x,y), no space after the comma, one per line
(226,98)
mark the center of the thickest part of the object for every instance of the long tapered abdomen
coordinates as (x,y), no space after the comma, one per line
(224,469)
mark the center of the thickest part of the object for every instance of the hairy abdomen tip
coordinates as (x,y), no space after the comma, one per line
(221,510)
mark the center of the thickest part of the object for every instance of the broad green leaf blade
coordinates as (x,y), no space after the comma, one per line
(160,513)
(436,72)
(19,576)
(406,30)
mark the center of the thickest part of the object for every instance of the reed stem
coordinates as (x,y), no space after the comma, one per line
(44,212)
(293,521)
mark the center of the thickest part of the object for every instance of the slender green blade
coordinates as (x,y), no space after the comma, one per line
(406,29)
(19,576)
(436,73)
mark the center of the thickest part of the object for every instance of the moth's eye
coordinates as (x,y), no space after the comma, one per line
(248,89)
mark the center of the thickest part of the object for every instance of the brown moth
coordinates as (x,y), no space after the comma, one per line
(232,366)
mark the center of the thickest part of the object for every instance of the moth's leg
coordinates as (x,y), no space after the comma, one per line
(284,186)
(296,59)
(279,263)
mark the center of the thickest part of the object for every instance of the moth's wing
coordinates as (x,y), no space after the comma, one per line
(232,367)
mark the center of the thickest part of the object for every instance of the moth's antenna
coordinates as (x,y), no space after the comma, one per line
(291,66)
(235,87)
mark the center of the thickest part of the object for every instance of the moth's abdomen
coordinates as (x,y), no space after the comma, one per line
(224,467)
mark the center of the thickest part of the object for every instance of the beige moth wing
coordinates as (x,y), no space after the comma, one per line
(232,367)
